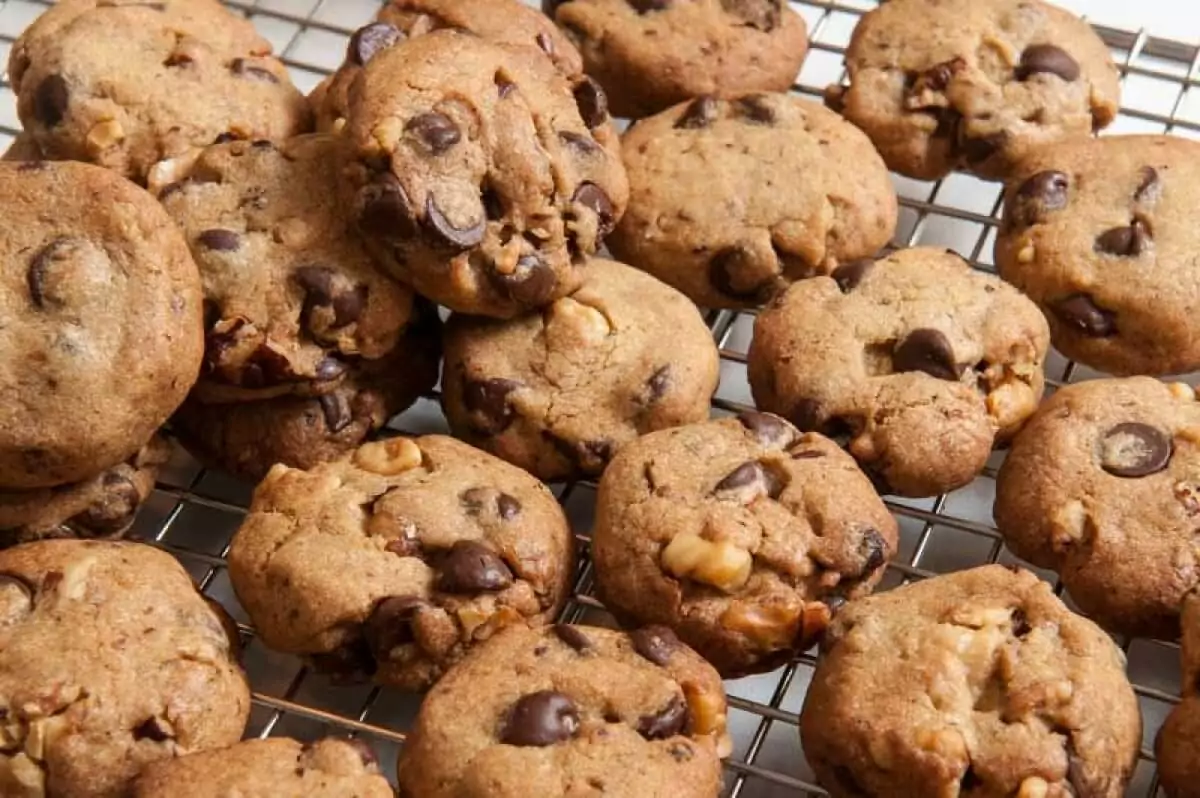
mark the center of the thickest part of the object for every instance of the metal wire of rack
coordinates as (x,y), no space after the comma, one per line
(194,512)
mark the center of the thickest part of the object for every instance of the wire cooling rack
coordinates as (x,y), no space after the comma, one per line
(194,512)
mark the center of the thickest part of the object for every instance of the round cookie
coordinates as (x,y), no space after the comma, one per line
(741,534)
(922,362)
(278,767)
(652,54)
(1177,747)
(396,560)
(109,660)
(558,393)
(126,84)
(731,200)
(571,710)
(1098,233)
(979,683)
(101,336)
(1102,487)
(290,290)
(482,177)
(959,84)
(101,507)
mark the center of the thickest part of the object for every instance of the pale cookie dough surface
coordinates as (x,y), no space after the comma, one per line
(743,535)
(571,711)
(924,363)
(1103,486)
(1177,748)
(394,561)
(109,660)
(980,684)
(275,767)
(100,322)
(652,54)
(560,392)
(483,176)
(126,84)
(732,200)
(1099,234)
(960,84)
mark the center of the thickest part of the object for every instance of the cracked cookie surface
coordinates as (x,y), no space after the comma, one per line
(980,684)
(279,767)
(571,711)
(922,362)
(1103,486)
(109,660)
(396,560)
(91,263)
(731,200)
(957,84)
(126,84)
(483,175)
(558,393)
(1177,748)
(1098,233)
(740,534)
(652,54)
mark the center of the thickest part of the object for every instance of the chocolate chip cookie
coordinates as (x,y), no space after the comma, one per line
(1098,233)
(279,767)
(1103,486)
(109,660)
(980,683)
(101,334)
(652,54)
(571,710)
(395,561)
(483,175)
(731,200)
(958,84)
(126,84)
(740,534)
(101,507)
(558,393)
(1178,743)
(922,363)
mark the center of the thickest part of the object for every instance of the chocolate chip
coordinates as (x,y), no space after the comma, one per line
(471,567)
(573,636)
(655,643)
(504,85)
(390,625)
(592,103)
(1020,622)
(873,549)
(1133,450)
(1081,313)
(488,399)
(681,752)
(754,109)
(659,383)
(37,278)
(592,197)
(540,719)
(1044,192)
(849,275)
(545,43)
(330,368)
(455,237)
(152,729)
(244,69)
(321,291)
(336,410)
(1124,242)
(508,507)
(434,130)
(724,273)
(750,479)
(645,6)
(768,429)
(225,138)
(267,366)
(349,663)
(582,144)
(700,113)
(1149,187)
(385,208)
(935,79)
(761,14)
(367,42)
(1047,59)
(220,240)
(928,351)
(667,722)
(807,415)
(50,100)
(532,284)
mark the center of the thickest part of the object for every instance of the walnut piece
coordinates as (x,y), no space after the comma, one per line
(720,564)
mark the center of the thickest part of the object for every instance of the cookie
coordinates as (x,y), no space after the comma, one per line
(979,683)
(22,148)
(483,175)
(101,507)
(922,363)
(560,392)
(394,561)
(279,767)
(101,335)
(571,710)
(731,200)
(290,291)
(652,54)
(957,84)
(1102,487)
(1178,745)
(740,534)
(109,660)
(86,72)
(1098,233)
